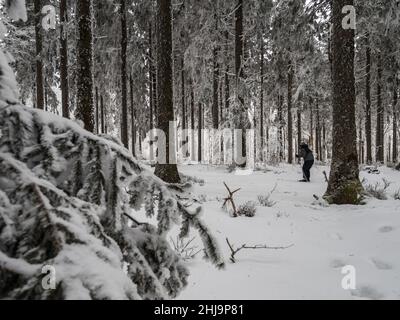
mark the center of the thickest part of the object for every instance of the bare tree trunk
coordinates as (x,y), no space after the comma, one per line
(84,109)
(39,58)
(290,116)
(395,119)
(239,64)
(124,77)
(215,111)
(280,128)
(311,142)
(165,109)
(192,120)
(133,117)
(102,115)
(380,143)
(368,120)
(262,145)
(97,110)
(344,183)
(361,142)
(200,133)
(152,94)
(64,59)
(299,127)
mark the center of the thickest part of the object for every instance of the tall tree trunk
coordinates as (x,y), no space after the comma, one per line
(192,121)
(280,128)
(299,128)
(102,115)
(319,135)
(152,94)
(64,59)
(324,142)
(215,111)
(380,141)
(262,145)
(183,93)
(39,57)
(227,84)
(368,116)
(124,77)
(395,119)
(97,111)
(290,116)
(200,133)
(239,67)
(311,142)
(165,109)
(344,183)
(133,116)
(361,142)
(84,109)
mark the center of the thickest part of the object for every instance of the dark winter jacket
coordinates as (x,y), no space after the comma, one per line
(306,154)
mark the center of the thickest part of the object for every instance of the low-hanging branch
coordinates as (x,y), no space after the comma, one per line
(234,251)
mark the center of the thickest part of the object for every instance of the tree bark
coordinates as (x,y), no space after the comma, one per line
(192,118)
(215,111)
(239,66)
(380,143)
(133,117)
(84,109)
(368,118)
(299,128)
(290,116)
(280,128)
(124,78)
(39,58)
(395,119)
(183,93)
(102,115)
(200,133)
(344,183)
(97,111)
(64,59)
(165,109)
(262,142)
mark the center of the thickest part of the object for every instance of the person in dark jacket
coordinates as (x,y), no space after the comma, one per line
(308,157)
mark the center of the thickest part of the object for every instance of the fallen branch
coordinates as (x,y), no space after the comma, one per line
(326,177)
(234,251)
(230,199)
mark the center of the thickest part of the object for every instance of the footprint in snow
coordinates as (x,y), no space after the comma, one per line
(336,236)
(379,264)
(367,292)
(386,229)
(337,263)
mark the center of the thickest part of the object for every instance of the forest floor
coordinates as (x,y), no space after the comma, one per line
(325,239)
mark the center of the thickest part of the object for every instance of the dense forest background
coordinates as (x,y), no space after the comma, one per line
(282,79)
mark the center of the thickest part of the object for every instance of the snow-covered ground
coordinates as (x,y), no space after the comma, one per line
(325,239)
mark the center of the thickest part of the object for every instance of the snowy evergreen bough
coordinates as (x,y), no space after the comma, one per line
(68,200)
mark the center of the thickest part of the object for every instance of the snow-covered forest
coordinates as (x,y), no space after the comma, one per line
(199,150)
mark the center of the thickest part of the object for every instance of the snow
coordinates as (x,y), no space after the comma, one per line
(326,238)
(16,10)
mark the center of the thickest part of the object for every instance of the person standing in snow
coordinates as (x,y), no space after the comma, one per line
(308,157)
